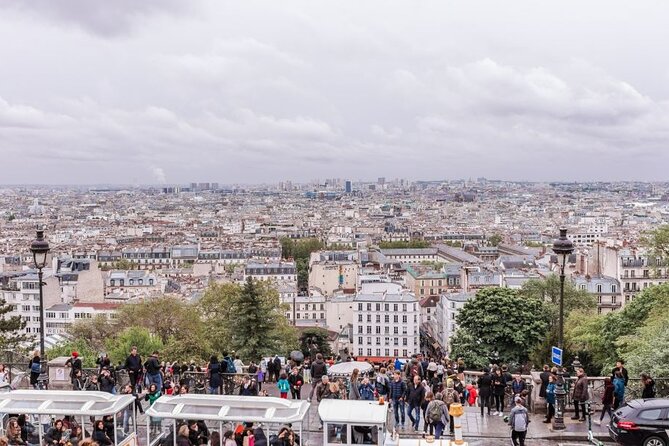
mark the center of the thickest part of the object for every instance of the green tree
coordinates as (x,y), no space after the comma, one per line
(218,311)
(95,332)
(118,348)
(657,241)
(300,250)
(414,244)
(123,264)
(12,329)
(501,321)
(315,340)
(647,350)
(87,354)
(495,240)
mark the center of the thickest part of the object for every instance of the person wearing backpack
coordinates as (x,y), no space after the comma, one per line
(35,367)
(382,382)
(435,414)
(451,396)
(519,419)
(318,371)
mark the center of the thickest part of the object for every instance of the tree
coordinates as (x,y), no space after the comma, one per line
(300,250)
(124,264)
(218,311)
(495,240)
(12,329)
(95,332)
(118,348)
(315,340)
(87,354)
(657,241)
(647,350)
(416,244)
(499,322)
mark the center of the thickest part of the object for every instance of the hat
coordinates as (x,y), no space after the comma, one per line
(75,354)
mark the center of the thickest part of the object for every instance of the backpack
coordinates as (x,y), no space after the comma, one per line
(229,365)
(434,412)
(35,367)
(450,396)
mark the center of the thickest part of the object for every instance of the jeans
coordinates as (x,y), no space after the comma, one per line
(499,402)
(576,409)
(518,438)
(213,390)
(551,411)
(295,393)
(438,429)
(606,409)
(313,387)
(127,415)
(414,420)
(156,379)
(398,407)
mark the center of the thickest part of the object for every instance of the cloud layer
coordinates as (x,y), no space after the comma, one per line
(255,91)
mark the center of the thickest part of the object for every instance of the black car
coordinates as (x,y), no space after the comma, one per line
(641,423)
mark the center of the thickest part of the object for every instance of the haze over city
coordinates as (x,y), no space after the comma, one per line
(252,92)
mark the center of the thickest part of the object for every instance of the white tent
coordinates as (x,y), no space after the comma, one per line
(346,368)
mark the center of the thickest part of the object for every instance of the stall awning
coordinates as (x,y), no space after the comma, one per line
(56,402)
(229,408)
(354,412)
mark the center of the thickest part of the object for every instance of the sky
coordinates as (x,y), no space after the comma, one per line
(172,91)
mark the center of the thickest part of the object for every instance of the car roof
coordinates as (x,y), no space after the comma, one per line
(649,403)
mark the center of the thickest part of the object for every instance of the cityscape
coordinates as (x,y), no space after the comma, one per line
(299,223)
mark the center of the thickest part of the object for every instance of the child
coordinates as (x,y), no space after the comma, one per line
(283,385)
(472,395)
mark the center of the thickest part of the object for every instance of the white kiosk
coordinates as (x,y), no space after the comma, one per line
(348,422)
(78,405)
(224,409)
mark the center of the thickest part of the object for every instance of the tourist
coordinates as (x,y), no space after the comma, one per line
(620,367)
(519,420)
(283,385)
(608,399)
(354,388)
(580,395)
(485,389)
(133,365)
(415,395)
(648,386)
(550,398)
(618,389)
(296,381)
(214,374)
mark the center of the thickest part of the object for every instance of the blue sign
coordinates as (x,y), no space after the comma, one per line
(556,356)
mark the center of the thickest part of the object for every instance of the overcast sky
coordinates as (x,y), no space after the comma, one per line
(173,91)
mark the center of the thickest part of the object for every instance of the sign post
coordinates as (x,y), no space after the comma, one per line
(556,356)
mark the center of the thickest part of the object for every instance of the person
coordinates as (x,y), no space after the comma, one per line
(318,371)
(519,419)
(498,386)
(286,437)
(620,367)
(214,374)
(133,365)
(354,390)
(103,361)
(239,365)
(151,396)
(484,384)
(100,434)
(14,433)
(607,400)
(76,435)
(129,389)
(153,374)
(451,396)
(78,381)
(295,380)
(550,398)
(618,389)
(283,385)
(248,387)
(415,396)
(580,395)
(182,436)
(277,367)
(93,384)
(396,393)
(107,381)
(543,376)
(472,395)
(517,386)
(35,367)
(382,382)
(648,386)
(74,362)
(366,389)
(228,439)
(54,436)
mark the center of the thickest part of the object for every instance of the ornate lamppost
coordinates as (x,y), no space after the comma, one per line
(40,248)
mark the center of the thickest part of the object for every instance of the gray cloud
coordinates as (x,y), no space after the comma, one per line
(257,91)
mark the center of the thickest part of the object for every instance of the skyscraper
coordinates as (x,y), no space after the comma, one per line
(348,187)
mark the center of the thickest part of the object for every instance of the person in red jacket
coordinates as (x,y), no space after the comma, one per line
(607,400)
(472,395)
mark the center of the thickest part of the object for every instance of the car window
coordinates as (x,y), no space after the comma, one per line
(651,414)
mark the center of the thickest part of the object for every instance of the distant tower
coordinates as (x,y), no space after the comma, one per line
(349,186)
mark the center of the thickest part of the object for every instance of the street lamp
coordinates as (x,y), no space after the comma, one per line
(563,247)
(40,248)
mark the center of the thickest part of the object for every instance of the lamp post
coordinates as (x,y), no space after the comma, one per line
(563,247)
(40,248)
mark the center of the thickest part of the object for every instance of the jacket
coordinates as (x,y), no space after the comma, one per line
(519,419)
(607,398)
(485,385)
(619,389)
(214,370)
(354,391)
(544,383)
(649,389)
(367,391)
(283,386)
(318,369)
(397,390)
(518,386)
(415,394)
(53,436)
(133,364)
(295,380)
(623,370)
(152,365)
(550,393)
(442,408)
(581,389)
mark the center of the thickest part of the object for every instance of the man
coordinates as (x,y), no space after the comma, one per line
(518,420)
(75,362)
(620,367)
(318,371)
(543,376)
(580,395)
(396,394)
(133,365)
(128,412)
(107,381)
(277,367)
(485,390)
(152,366)
(451,396)
(248,387)
(323,392)
(415,397)
(517,386)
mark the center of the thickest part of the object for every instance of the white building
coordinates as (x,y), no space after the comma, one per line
(385,325)
(21,291)
(445,315)
(60,317)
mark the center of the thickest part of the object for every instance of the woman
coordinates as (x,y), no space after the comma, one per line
(76,435)
(151,397)
(78,380)
(618,390)
(286,437)
(228,440)
(214,374)
(100,435)
(55,435)
(461,369)
(607,399)
(648,386)
(14,433)
(550,398)
(4,376)
(182,436)
(498,387)
(354,391)
(35,367)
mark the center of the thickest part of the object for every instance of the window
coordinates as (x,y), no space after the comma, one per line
(613,299)
(360,341)
(378,318)
(614,288)
(387,307)
(651,414)
(378,329)
(369,307)
(369,329)
(360,328)
(395,318)
(386,329)
(360,318)
(404,341)
(378,307)
(395,330)
(386,318)
(369,340)
(404,318)
(599,299)
(360,307)
(395,307)
(599,288)
(404,307)
(396,341)
(369,318)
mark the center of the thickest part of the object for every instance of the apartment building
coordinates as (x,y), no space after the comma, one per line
(330,271)
(606,289)
(271,271)
(60,317)
(307,311)
(21,291)
(445,314)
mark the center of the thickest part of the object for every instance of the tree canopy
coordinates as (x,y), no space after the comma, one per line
(499,322)
(12,329)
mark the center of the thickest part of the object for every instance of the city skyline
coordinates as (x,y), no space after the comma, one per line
(251,93)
